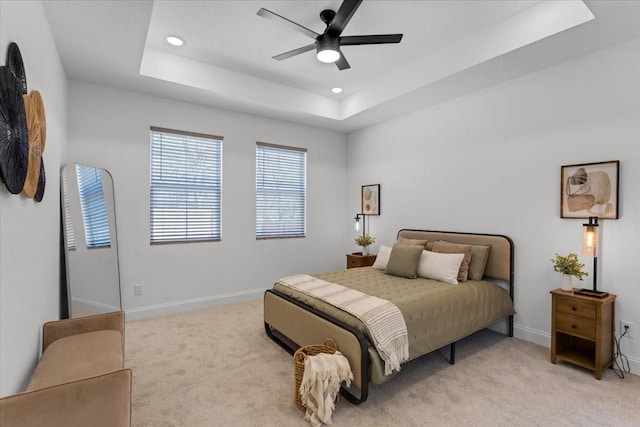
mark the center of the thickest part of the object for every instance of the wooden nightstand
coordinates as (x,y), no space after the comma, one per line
(582,330)
(356,259)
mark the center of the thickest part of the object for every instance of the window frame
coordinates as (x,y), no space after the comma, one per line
(294,234)
(213,192)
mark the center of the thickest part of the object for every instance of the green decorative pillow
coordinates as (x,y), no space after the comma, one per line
(404,260)
(479,257)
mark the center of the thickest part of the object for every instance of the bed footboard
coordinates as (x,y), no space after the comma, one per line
(313,327)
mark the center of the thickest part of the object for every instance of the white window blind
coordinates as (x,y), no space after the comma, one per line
(68,220)
(281,191)
(94,209)
(186,186)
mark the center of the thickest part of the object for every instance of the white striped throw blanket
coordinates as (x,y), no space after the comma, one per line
(323,374)
(382,319)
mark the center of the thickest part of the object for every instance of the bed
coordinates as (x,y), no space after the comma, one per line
(437,314)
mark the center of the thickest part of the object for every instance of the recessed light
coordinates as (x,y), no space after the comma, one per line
(175,41)
(336,90)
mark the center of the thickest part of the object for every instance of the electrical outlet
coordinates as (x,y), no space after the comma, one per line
(624,324)
(137,290)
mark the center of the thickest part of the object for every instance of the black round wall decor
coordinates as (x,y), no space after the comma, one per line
(41,183)
(14,142)
(15,64)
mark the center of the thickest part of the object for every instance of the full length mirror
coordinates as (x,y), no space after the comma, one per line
(90,240)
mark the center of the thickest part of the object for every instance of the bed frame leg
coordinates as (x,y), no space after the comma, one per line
(352,398)
(452,353)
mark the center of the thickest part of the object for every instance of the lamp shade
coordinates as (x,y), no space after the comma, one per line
(364,223)
(590,238)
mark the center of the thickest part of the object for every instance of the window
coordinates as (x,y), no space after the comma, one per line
(68,221)
(281,191)
(186,186)
(94,209)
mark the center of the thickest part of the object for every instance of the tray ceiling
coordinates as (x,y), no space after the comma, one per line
(449,48)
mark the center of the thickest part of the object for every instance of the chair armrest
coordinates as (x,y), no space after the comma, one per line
(57,329)
(102,401)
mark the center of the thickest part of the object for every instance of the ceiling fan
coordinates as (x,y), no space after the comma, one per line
(329,42)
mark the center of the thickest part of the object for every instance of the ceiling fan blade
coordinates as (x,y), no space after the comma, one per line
(342,63)
(295,52)
(371,39)
(343,16)
(289,23)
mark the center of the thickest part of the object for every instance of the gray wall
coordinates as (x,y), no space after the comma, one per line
(490,162)
(109,128)
(29,243)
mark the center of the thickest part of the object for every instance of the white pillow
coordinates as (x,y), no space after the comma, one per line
(439,266)
(382,259)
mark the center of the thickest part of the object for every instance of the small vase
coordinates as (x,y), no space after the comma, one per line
(365,250)
(567,282)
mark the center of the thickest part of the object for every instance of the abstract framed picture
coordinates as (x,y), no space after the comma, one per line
(370,199)
(589,189)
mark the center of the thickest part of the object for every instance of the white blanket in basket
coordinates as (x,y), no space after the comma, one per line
(323,374)
(383,320)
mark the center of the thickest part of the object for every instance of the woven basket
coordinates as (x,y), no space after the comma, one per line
(300,356)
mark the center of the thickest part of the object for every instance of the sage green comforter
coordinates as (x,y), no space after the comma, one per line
(436,313)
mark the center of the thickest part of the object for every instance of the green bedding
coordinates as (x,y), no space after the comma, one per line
(436,313)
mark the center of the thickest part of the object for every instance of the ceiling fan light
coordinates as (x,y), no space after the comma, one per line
(328,49)
(328,55)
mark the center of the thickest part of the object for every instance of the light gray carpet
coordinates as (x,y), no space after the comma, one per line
(216,367)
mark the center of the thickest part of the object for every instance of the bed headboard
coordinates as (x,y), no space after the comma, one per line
(500,262)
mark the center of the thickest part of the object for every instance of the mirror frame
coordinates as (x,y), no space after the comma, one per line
(65,269)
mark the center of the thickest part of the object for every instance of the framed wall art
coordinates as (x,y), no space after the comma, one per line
(589,189)
(370,199)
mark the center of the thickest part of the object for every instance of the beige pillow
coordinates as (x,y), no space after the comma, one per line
(452,248)
(479,257)
(415,242)
(403,261)
(439,266)
(382,258)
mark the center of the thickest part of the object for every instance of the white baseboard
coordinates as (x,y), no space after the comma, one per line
(532,335)
(634,365)
(91,307)
(193,304)
(544,339)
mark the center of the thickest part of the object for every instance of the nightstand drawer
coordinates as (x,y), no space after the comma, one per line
(356,260)
(576,308)
(353,262)
(578,326)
